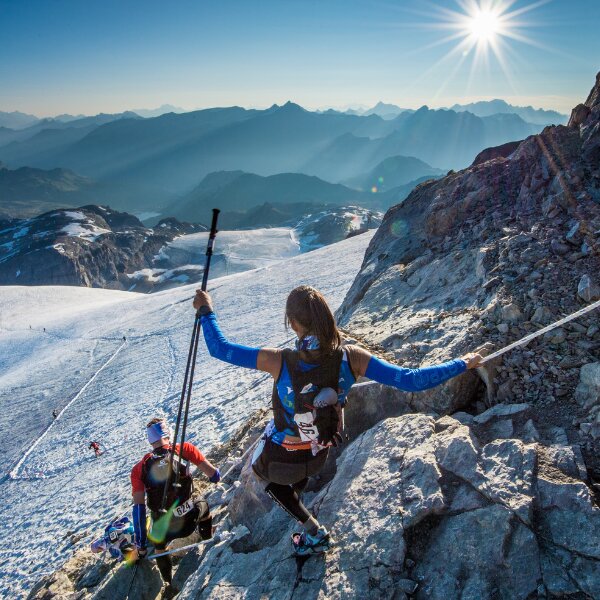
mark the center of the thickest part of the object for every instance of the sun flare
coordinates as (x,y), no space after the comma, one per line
(480,33)
(484,25)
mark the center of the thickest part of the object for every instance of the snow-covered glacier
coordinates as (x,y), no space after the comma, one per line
(107,361)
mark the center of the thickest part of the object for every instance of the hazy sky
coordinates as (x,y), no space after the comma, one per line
(90,56)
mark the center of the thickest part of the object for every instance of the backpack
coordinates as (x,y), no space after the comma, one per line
(306,384)
(155,470)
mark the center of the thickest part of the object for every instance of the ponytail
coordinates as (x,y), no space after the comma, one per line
(308,307)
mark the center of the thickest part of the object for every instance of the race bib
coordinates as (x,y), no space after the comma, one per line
(307,427)
(184,508)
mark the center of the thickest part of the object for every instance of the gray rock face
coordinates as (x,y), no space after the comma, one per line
(420,500)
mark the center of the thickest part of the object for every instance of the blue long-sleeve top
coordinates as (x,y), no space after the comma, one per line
(408,380)
(220,347)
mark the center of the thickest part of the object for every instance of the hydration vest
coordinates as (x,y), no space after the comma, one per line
(305,385)
(155,472)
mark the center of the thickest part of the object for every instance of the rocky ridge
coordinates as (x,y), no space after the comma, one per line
(92,246)
(488,255)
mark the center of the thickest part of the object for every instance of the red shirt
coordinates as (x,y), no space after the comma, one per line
(190,452)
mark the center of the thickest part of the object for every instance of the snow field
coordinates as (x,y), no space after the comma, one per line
(61,489)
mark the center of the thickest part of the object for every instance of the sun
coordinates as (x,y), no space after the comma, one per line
(484,33)
(483,25)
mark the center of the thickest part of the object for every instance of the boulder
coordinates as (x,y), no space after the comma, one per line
(484,553)
(587,392)
(587,290)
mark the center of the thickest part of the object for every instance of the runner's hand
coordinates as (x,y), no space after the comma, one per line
(327,423)
(202,299)
(473,360)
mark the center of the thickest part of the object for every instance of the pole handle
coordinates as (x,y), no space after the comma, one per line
(209,247)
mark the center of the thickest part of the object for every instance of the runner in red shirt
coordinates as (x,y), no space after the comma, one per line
(184,513)
(95,446)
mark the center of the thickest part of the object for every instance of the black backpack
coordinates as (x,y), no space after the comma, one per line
(154,474)
(306,385)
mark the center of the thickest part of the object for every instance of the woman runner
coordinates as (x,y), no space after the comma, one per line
(311,385)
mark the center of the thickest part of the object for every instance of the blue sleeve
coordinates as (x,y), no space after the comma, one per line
(139,524)
(220,347)
(413,380)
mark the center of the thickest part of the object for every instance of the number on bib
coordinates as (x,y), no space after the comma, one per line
(306,427)
(184,508)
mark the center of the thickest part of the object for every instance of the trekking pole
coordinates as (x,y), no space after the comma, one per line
(190,367)
(209,248)
(209,252)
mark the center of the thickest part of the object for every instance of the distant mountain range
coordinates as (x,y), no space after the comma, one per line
(537,116)
(484,108)
(155,164)
(27,192)
(157,112)
(393,172)
(27,144)
(238,191)
(172,152)
(385,111)
(16,120)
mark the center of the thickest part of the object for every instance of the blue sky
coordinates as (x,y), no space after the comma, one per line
(89,56)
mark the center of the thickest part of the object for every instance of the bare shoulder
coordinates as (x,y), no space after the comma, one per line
(269,360)
(359,359)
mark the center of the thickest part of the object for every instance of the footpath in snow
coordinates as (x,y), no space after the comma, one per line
(106,390)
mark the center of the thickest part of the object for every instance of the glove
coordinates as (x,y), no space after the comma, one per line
(327,422)
(215,477)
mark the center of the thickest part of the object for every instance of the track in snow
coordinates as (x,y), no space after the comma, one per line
(14,474)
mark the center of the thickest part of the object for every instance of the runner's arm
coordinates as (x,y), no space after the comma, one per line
(408,380)
(265,359)
(193,454)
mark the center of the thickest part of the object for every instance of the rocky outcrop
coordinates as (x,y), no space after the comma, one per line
(426,508)
(334,225)
(503,151)
(91,246)
(488,255)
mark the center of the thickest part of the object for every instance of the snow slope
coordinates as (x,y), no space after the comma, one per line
(237,251)
(108,389)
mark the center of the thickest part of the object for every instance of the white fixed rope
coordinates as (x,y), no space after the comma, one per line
(546,329)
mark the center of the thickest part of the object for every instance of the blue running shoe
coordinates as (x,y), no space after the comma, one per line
(304,544)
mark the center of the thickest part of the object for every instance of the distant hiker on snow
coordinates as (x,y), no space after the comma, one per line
(117,539)
(54,414)
(95,446)
(185,513)
(311,385)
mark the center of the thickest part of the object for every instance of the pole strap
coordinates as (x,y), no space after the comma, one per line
(535,334)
